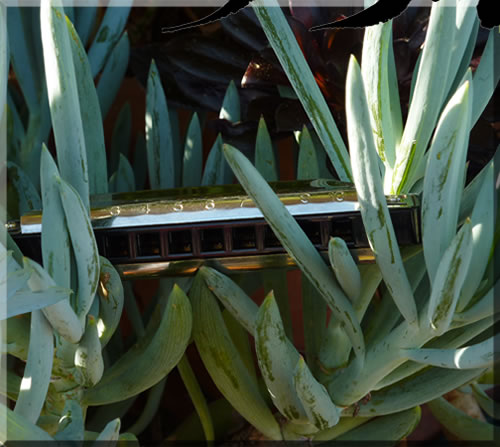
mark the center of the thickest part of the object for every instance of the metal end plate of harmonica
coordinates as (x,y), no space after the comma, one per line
(173,232)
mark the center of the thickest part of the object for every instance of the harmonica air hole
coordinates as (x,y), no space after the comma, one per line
(270,239)
(180,242)
(312,230)
(148,244)
(244,238)
(211,240)
(117,245)
(342,228)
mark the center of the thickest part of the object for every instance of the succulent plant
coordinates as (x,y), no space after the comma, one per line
(432,331)
(63,332)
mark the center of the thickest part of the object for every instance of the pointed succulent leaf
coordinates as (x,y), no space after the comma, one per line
(88,357)
(393,427)
(108,34)
(27,195)
(60,315)
(479,355)
(297,244)
(482,220)
(289,54)
(230,109)
(375,74)
(63,99)
(110,433)
(38,369)
(123,179)
(214,167)
(224,364)
(420,388)
(91,116)
(159,356)
(193,154)
(111,297)
(56,252)
(234,299)
(443,179)
(307,165)
(71,422)
(374,211)
(485,402)
(277,359)
(320,409)
(113,73)
(459,423)
(264,153)
(449,279)
(18,428)
(159,143)
(345,268)
(84,247)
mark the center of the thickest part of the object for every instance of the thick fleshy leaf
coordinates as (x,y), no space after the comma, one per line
(200,403)
(55,238)
(215,165)
(234,299)
(264,153)
(317,404)
(484,401)
(443,179)
(71,425)
(345,425)
(193,154)
(113,73)
(479,355)
(307,165)
(158,135)
(224,364)
(110,294)
(448,282)
(296,243)
(277,360)
(88,357)
(25,301)
(159,356)
(84,247)
(15,281)
(27,195)
(22,54)
(460,424)
(428,95)
(314,311)
(60,315)
(84,22)
(420,388)
(63,99)
(393,427)
(154,399)
(230,109)
(38,369)
(18,428)
(369,188)
(482,220)
(91,116)
(123,179)
(108,34)
(452,339)
(480,309)
(345,268)
(110,433)
(486,76)
(120,140)
(300,76)
(375,74)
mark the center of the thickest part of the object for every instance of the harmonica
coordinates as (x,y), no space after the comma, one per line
(173,232)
